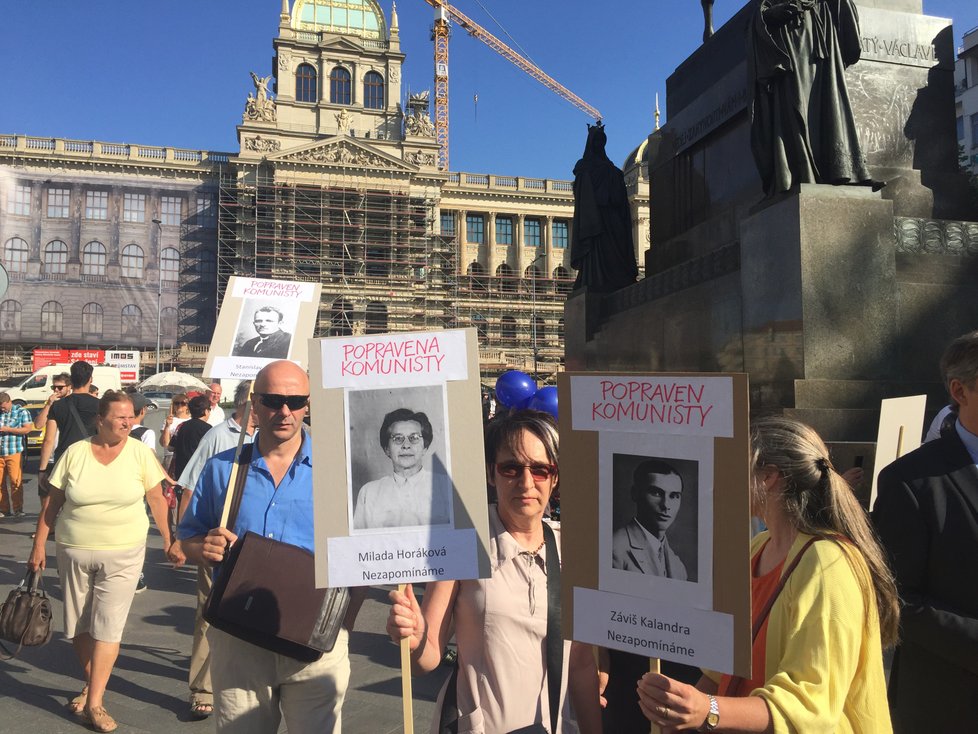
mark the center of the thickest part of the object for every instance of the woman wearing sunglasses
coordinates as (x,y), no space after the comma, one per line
(500,623)
(411,495)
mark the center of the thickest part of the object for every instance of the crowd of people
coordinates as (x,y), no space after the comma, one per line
(832,586)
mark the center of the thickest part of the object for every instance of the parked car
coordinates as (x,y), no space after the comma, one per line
(36,437)
(156,399)
(37,387)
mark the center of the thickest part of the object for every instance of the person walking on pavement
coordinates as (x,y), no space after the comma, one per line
(15,423)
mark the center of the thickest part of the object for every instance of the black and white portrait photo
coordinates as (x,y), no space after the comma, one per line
(655,503)
(398,449)
(265,329)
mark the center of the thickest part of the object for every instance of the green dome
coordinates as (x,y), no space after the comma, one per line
(362,18)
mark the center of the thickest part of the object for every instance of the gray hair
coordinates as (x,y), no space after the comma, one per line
(506,430)
(960,361)
(241,393)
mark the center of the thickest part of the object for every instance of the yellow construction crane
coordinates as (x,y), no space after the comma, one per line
(440,33)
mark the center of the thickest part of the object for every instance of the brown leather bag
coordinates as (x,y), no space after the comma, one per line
(25,618)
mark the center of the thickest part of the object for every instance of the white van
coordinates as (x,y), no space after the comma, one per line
(37,387)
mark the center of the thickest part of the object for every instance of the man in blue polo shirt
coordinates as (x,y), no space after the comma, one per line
(15,423)
(253,687)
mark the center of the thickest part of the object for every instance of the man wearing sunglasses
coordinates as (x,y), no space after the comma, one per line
(642,545)
(253,687)
(411,495)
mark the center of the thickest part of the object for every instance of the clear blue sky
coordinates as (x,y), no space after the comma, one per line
(175,72)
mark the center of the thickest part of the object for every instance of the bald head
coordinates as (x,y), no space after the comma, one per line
(278,423)
(282,371)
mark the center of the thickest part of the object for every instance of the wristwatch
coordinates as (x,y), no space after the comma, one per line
(712,718)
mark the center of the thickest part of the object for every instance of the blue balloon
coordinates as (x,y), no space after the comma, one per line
(545,400)
(514,388)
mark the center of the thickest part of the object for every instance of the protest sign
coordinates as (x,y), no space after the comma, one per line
(659,513)
(900,429)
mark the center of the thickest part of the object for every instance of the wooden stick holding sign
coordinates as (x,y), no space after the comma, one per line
(901,425)
(407,694)
(233,478)
(655,666)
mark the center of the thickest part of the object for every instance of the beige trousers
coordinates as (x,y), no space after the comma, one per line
(201,690)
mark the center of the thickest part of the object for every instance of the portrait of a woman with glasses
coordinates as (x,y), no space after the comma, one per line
(411,495)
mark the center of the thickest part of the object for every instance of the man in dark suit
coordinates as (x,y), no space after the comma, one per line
(271,342)
(642,545)
(927,516)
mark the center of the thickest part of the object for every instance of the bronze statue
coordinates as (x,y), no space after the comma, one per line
(602,250)
(802,126)
(707,19)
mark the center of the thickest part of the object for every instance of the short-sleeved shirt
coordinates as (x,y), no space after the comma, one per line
(282,513)
(16,417)
(104,504)
(68,429)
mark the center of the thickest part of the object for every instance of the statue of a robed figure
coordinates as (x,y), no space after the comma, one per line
(602,249)
(802,126)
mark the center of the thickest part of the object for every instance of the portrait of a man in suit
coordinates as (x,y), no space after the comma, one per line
(272,341)
(642,545)
(926,514)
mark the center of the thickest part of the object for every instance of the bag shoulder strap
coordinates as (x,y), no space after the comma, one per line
(138,431)
(244,460)
(555,640)
(78,421)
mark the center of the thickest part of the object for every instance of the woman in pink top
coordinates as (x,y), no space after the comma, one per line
(500,623)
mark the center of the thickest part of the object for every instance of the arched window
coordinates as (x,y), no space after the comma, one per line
(94,259)
(55,258)
(507,279)
(481,327)
(170,264)
(508,328)
(340,86)
(477,277)
(132,322)
(132,261)
(373,91)
(15,254)
(305,84)
(532,276)
(564,281)
(51,318)
(376,318)
(92,320)
(340,318)
(10,312)
(168,324)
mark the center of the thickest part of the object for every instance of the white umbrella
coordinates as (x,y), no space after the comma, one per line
(173,381)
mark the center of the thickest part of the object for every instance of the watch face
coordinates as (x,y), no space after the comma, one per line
(712,720)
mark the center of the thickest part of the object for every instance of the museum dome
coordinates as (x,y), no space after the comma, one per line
(637,156)
(362,18)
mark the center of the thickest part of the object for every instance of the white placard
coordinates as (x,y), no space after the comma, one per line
(273,289)
(404,557)
(900,429)
(690,534)
(654,629)
(127,363)
(239,368)
(395,360)
(681,405)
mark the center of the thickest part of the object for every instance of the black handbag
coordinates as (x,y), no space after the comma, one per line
(448,718)
(265,592)
(25,618)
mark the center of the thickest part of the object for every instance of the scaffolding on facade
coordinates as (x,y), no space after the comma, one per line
(382,265)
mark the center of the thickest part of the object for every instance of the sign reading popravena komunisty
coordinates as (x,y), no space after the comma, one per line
(262,321)
(655,493)
(399,477)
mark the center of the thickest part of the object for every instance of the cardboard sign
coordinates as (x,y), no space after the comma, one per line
(262,321)
(659,510)
(400,492)
(901,426)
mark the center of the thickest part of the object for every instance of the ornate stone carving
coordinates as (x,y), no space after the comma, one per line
(343,121)
(935,236)
(420,158)
(284,60)
(259,106)
(418,122)
(394,74)
(342,153)
(262,145)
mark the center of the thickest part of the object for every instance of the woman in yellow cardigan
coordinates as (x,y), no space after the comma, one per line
(824,603)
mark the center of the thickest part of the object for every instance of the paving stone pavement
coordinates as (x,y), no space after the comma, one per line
(148,689)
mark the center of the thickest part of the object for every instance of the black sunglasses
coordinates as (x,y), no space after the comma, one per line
(539,472)
(275,402)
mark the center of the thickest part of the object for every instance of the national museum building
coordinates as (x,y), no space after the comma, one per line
(111,245)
